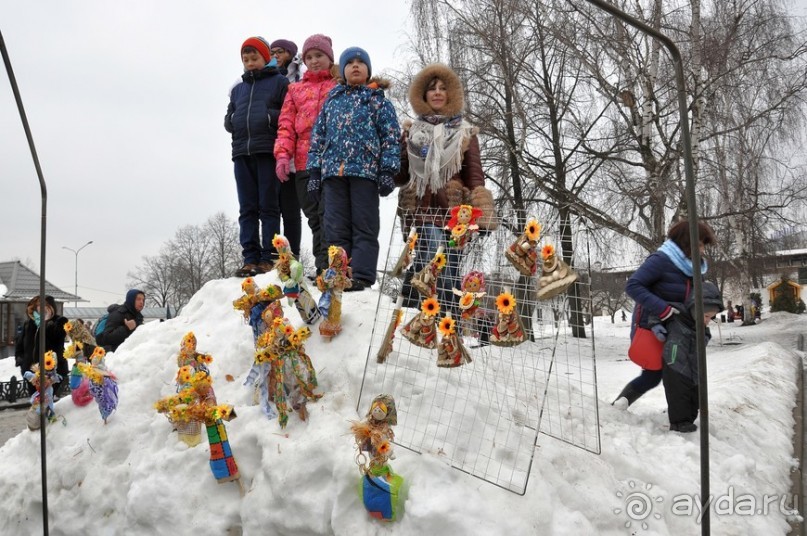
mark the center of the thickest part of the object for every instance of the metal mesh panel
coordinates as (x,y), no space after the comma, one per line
(484,417)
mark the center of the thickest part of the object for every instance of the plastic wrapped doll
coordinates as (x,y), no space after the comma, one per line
(290,376)
(103,384)
(422,329)
(196,403)
(450,351)
(407,255)
(462,225)
(290,272)
(43,385)
(332,282)
(556,276)
(380,488)
(523,253)
(509,330)
(472,289)
(425,281)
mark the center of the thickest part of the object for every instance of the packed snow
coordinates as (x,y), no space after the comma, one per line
(133,476)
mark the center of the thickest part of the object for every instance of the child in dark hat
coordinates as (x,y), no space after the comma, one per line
(353,157)
(288,62)
(251,118)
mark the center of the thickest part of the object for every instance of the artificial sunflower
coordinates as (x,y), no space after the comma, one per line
(440,261)
(430,307)
(446,326)
(288,330)
(505,303)
(68,327)
(50,360)
(185,374)
(459,229)
(467,300)
(205,358)
(279,241)
(533,230)
(548,251)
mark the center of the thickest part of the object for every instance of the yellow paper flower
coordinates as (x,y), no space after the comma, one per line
(288,330)
(248,284)
(548,251)
(205,358)
(505,303)
(440,261)
(430,306)
(50,360)
(446,326)
(68,327)
(533,230)
(185,374)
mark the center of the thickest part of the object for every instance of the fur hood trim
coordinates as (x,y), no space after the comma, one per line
(417,90)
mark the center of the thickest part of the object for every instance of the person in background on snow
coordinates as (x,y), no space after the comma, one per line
(288,63)
(353,157)
(665,277)
(680,357)
(300,109)
(122,320)
(251,118)
(26,351)
(440,162)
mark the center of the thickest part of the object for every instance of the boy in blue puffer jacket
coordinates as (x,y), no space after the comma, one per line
(251,118)
(354,154)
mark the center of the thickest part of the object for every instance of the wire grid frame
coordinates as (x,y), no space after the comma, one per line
(483,417)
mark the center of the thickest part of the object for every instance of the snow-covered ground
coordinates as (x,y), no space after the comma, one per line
(134,477)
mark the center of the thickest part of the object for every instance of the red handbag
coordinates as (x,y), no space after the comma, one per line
(645,349)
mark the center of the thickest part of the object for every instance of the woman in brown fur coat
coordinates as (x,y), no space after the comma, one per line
(440,169)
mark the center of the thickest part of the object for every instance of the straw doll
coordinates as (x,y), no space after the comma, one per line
(103,384)
(556,276)
(422,329)
(509,330)
(290,272)
(523,253)
(82,345)
(450,351)
(425,281)
(470,294)
(332,282)
(462,225)
(43,385)
(407,256)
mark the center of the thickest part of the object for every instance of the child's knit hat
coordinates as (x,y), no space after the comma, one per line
(286,45)
(351,53)
(259,44)
(319,42)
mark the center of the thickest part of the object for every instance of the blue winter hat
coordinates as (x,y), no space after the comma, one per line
(351,53)
(131,296)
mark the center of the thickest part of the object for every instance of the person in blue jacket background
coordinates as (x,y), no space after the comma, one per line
(665,277)
(353,157)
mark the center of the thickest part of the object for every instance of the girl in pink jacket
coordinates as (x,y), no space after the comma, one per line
(303,102)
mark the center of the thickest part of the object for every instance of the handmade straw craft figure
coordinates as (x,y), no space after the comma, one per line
(103,384)
(253,302)
(407,255)
(290,378)
(523,253)
(82,345)
(290,272)
(425,281)
(43,385)
(197,403)
(422,329)
(189,357)
(462,225)
(557,275)
(258,375)
(509,330)
(389,334)
(249,299)
(471,291)
(450,351)
(380,489)
(332,283)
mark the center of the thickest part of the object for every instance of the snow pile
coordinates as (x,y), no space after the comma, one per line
(133,476)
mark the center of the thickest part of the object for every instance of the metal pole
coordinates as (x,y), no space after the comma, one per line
(692,208)
(76,252)
(43,233)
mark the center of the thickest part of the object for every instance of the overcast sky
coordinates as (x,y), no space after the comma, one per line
(126,103)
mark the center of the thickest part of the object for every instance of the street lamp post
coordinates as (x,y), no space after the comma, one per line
(76,252)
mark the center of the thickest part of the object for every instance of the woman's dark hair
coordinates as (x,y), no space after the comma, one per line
(679,233)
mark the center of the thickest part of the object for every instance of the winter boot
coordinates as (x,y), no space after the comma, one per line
(628,396)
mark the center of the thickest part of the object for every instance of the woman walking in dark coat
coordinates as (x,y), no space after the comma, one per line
(665,277)
(26,351)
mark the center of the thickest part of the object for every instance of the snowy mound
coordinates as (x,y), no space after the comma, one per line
(133,476)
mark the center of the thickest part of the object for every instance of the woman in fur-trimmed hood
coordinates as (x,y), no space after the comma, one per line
(440,163)
(440,169)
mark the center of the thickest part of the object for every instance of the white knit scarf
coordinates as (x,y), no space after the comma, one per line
(435,146)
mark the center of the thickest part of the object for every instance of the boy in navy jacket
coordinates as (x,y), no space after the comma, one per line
(251,118)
